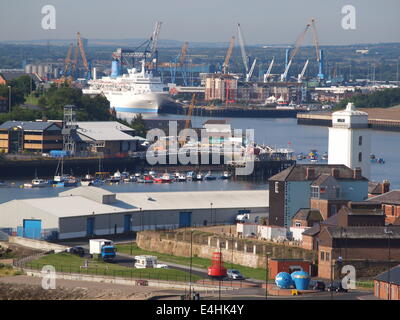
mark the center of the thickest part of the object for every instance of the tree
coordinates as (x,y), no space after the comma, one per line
(23,83)
(17,96)
(139,125)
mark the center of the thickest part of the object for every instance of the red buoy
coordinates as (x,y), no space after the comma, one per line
(217,268)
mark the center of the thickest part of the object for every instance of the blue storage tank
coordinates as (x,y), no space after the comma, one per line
(301,280)
(283,280)
(115,69)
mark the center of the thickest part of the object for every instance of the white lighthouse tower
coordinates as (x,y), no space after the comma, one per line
(349,140)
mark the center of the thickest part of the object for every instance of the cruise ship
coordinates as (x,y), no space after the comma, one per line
(132,93)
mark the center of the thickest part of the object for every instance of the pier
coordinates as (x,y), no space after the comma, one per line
(378,119)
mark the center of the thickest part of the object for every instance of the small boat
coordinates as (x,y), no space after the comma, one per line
(39,183)
(226,175)
(115,178)
(138,175)
(87,180)
(157,180)
(198,177)
(325,156)
(152,173)
(166,178)
(190,175)
(181,177)
(124,175)
(314,160)
(3,183)
(209,176)
(148,179)
(176,175)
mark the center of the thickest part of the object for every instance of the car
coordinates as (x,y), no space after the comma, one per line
(336,287)
(79,251)
(234,274)
(317,285)
(161,266)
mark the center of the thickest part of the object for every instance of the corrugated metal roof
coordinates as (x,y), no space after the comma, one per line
(67,205)
(28,125)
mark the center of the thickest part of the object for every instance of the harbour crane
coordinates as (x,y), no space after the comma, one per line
(243,49)
(68,59)
(250,73)
(83,55)
(153,46)
(182,140)
(298,44)
(301,75)
(245,57)
(228,55)
(268,73)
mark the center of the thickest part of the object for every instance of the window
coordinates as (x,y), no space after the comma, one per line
(297,224)
(276,187)
(327,256)
(360,140)
(341,120)
(314,192)
(360,157)
(322,255)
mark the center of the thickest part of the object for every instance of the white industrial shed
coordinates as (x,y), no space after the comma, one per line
(87,211)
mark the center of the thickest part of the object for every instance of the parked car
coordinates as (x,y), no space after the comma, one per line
(336,287)
(317,285)
(234,274)
(79,251)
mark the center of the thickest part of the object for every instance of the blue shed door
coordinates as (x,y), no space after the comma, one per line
(90,226)
(127,223)
(32,228)
(185,219)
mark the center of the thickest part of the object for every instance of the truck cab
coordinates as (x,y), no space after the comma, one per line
(102,248)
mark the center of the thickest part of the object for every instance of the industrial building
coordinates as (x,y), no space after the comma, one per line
(387,284)
(88,211)
(32,136)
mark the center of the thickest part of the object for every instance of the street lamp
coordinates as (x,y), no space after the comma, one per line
(190,270)
(266,274)
(9,98)
(388,232)
(211,204)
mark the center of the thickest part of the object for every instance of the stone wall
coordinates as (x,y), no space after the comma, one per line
(37,244)
(238,251)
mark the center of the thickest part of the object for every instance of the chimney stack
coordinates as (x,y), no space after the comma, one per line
(385,186)
(335,172)
(310,173)
(357,173)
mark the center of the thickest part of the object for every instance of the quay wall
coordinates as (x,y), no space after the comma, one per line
(232,111)
(326,120)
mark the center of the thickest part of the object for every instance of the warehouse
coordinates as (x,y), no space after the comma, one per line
(88,211)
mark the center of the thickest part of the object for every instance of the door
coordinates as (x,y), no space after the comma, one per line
(127,223)
(185,219)
(32,229)
(90,226)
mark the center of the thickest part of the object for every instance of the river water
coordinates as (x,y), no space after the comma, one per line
(273,132)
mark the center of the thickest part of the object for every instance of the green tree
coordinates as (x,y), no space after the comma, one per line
(17,96)
(139,125)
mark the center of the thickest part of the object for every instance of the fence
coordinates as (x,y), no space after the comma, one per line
(95,270)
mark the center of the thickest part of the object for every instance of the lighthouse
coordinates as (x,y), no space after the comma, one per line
(349,140)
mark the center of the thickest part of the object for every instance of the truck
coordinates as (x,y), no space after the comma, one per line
(102,248)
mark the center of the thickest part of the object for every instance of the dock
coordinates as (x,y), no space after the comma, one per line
(237,111)
(378,118)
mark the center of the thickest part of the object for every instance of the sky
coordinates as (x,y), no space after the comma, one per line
(262,21)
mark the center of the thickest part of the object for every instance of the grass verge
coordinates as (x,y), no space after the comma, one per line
(69,263)
(203,263)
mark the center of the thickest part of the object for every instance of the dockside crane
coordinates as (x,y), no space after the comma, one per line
(182,140)
(298,44)
(225,66)
(245,57)
(83,55)
(268,73)
(301,75)
(153,46)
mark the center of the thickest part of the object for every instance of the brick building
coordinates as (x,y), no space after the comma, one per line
(387,284)
(323,187)
(390,203)
(356,244)
(288,265)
